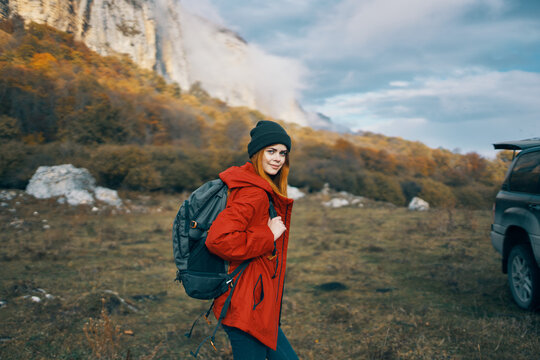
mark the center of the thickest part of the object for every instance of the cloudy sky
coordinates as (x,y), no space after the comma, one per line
(457,74)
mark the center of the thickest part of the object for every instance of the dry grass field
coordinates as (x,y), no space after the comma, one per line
(377,282)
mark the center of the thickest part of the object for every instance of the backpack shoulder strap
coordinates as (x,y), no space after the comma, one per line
(238,271)
(271,209)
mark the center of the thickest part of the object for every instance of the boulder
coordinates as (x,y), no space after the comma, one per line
(76,186)
(336,203)
(79,197)
(108,196)
(52,181)
(340,199)
(294,193)
(418,204)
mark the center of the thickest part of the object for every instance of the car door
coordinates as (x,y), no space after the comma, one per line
(515,195)
(525,178)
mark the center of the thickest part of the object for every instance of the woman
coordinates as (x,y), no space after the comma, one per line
(243,231)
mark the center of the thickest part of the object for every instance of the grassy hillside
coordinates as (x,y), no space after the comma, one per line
(377,282)
(61,102)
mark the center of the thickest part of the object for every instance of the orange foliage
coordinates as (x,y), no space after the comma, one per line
(58,90)
(42,61)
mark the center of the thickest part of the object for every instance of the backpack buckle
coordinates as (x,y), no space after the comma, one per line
(193,224)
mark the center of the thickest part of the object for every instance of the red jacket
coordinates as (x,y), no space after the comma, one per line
(241,232)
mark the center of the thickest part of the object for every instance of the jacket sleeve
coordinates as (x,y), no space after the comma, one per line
(241,231)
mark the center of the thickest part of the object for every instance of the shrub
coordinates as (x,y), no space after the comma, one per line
(143,177)
(410,189)
(180,176)
(103,336)
(436,193)
(111,164)
(387,188)
(475,196)
(15,167)
(9,128)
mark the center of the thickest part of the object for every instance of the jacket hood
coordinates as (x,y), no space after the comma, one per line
(245,175)
(242,176)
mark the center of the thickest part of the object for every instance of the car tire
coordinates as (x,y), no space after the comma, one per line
(523,277)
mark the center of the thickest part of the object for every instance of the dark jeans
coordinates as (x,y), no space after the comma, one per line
(246,347)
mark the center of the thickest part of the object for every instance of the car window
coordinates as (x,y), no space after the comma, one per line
(525,176)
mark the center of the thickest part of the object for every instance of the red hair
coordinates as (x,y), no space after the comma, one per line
(278,182)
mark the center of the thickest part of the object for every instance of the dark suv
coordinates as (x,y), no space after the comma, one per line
(515,232)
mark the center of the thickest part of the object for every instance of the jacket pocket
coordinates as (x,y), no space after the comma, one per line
(258,292)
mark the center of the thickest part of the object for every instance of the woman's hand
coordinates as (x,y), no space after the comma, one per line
(276,226)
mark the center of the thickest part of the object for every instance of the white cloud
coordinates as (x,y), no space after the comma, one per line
(452,73)
(399,83)
(363,29)
(204,9)
(240,74)
(470,109)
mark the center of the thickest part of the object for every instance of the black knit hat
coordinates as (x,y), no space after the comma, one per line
(267,133)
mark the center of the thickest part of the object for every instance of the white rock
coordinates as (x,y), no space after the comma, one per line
(336,203)
(35,213)
(46,227)
(17,223)
(418,204)
(3,303)
(108,196)
(72,185)
(7,195)
(49,297)
(52,181)
(294,193)
(95,209)
(35,299)
(79,197)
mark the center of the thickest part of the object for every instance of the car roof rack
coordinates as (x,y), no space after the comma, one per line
(517,145)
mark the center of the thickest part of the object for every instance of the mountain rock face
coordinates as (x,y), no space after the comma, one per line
(161,35)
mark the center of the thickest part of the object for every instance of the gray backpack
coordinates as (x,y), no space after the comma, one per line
(204,275)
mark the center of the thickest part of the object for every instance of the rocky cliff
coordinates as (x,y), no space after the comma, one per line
(184,48)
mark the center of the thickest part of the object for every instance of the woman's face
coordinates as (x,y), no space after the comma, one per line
(274,157)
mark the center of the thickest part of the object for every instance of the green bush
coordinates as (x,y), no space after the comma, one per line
(15,165)
(180,176)
(111,164)
(387,188)
(143,177)
(436,193)
(9,128)
(410,189)
(475,196)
